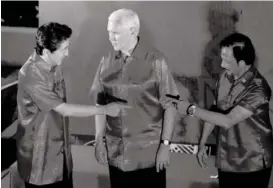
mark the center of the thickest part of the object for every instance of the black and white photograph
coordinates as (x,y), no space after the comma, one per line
(149,94)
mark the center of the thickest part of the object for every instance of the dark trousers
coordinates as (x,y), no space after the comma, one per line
(257,179)
(67,181)
(142,178)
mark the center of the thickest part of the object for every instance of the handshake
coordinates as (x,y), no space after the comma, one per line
(112,105)
(114,109)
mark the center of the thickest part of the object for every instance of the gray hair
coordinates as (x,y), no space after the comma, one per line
(126,18)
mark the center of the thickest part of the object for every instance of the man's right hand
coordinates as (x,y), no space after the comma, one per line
(201,156)
(100,152)
(114,109)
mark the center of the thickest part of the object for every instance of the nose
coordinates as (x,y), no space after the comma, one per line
(223,64)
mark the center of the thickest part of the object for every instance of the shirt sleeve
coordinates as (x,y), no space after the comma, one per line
(41,91)
(254,99)
(166,82)
(96,90)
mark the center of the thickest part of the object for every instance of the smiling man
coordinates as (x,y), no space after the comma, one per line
(245,145)
(43,147)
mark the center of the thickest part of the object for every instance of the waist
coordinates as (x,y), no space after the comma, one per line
(130,154)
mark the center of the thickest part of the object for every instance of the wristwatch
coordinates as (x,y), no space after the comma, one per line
(165,142)
(191,110)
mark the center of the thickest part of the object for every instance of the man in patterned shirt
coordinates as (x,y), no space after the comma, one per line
(43,146)
(245,145)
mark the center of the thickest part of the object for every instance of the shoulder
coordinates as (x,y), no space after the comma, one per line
(260,86)
(154,54)
(32,72)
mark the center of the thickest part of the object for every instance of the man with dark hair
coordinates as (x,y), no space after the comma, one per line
(43,146)
(245,144)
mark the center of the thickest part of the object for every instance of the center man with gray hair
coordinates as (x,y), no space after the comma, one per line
(137,145)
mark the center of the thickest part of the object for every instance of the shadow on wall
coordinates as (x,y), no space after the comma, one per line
(222,18)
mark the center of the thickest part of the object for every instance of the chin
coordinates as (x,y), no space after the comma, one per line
(59,63)
(228,72)
(116,48)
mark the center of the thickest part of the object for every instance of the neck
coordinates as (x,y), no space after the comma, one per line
(241,72)
(47,60)
(131,47)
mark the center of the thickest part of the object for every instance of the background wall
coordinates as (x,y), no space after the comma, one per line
(178,29)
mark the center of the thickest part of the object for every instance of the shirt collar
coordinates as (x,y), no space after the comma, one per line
(245,78)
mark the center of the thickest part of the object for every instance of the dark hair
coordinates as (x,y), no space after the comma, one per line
(50,35)
(242,47)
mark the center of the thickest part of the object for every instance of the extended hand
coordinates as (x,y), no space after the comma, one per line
(114,109)
(163,157)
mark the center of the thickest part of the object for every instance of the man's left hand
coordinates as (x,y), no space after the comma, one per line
(163,157)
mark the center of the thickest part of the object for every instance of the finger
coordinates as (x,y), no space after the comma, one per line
(166,165)
(100,158)
(161,166)
(97,158)
(205,166)
(157,166)
(105,161)
(199,161)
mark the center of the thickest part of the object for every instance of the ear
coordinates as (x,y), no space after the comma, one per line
(132,30)
(45,52)
(242,63)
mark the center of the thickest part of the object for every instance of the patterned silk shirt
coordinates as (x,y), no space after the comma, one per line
(248,145)
(42,133)
(141,80)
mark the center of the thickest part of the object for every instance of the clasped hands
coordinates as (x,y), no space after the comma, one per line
(114,109)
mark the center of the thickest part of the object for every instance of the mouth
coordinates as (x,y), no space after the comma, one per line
(228,71)
(113,42)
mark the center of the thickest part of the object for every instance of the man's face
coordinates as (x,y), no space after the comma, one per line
(119,36)
(57,56)
(229,63)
